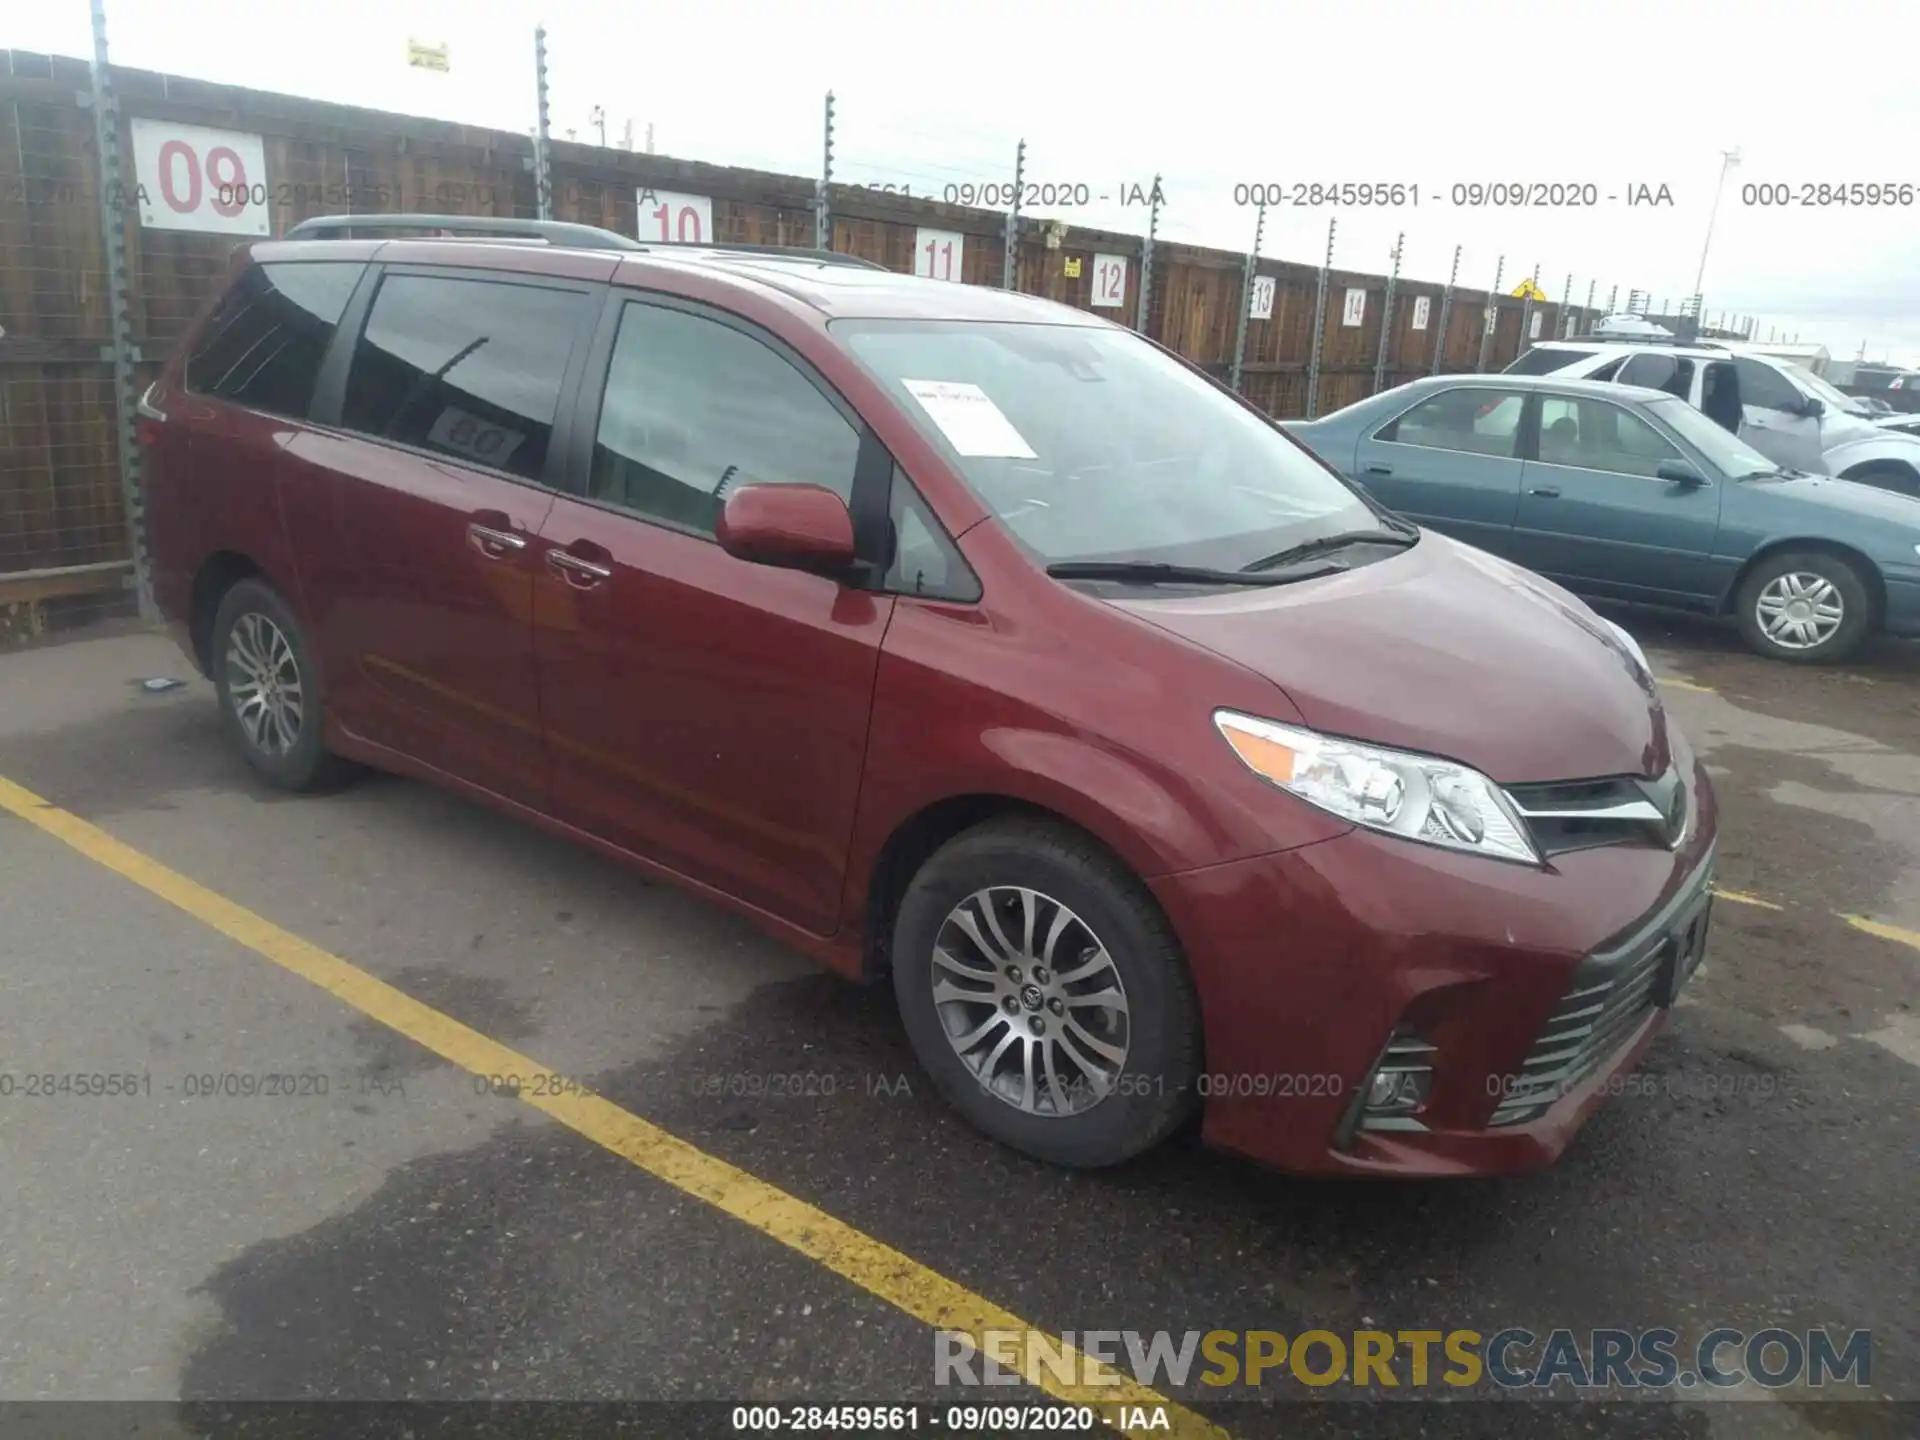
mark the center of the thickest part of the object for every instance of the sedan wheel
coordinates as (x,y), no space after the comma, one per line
(1800,611)
(1809,607)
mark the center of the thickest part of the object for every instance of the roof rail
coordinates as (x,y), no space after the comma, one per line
(552,232)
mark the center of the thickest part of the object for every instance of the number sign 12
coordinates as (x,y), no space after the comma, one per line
(669,218)
(1109,281)
(939,254)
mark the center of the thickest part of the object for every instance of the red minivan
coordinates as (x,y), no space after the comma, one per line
(952,635)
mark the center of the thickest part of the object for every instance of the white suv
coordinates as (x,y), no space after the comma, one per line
(1784,411)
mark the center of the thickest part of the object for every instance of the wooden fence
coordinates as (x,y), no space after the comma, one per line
(63,538)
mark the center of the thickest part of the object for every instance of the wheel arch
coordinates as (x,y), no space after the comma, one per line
(915,840)
(1883,465)
(217,574)
(1869,572)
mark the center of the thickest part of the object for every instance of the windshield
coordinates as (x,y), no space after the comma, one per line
(1090,443)
(1730,455)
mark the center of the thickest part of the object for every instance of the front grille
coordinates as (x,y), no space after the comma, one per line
(1611,993)
(1618,810)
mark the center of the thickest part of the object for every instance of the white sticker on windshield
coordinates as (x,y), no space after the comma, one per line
(972,423)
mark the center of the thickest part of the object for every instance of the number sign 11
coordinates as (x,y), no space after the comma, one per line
(939,254)
(669,218)
(1109,281)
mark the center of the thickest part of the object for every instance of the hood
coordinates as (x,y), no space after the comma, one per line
(1841,427)
(1447,650)
(1869,501)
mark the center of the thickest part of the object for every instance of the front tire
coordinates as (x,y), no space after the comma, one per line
(269,689)
(1045,994)
(1805,607)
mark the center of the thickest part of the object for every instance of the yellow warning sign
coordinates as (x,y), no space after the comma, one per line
(427,57)
(1073,267)
(1527,290)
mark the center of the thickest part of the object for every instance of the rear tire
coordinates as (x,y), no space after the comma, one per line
(1887,475)
(1084,1026)
(1807,607)
(269,689)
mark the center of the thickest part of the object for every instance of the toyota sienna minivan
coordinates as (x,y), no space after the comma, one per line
(954,637)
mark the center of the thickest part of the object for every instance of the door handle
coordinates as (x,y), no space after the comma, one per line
(1379,469)
(575,571)
(495,544)
(1546,492)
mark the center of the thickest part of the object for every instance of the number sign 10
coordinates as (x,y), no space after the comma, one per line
(939,254)
(1109,281)
(669,218)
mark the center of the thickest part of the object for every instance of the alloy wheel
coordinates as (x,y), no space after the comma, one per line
(1799,610)
(1031,1001)
(264,685)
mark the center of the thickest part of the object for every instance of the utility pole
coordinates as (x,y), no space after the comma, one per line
(822,217)
(1728,159)
(598,116)
(542,154)
(1146,258)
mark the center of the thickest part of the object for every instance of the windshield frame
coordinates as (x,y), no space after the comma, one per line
(1358,505)
(1824,390)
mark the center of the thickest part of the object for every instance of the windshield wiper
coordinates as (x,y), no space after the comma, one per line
(1159,572)
(1401,538)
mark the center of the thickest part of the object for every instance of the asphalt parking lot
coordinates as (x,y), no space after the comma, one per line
(380,1223)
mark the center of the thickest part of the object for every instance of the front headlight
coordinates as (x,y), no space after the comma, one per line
(1631,645)
(1413,796)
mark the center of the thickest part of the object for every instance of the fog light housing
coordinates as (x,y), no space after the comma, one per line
(1394,1089)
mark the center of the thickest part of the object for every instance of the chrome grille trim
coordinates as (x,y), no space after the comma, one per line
(1569,815)
(1611,994)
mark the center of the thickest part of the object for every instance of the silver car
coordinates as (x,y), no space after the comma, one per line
(1784,411)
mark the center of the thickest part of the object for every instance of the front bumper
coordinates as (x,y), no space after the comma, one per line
(1903,605)
(1309,962)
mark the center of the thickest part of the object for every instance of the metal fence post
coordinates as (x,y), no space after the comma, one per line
(1446,310)
(1247,272)
(1566,315)
(1146,256)
(822,213)
(120,348)
(1587,313)
(542,155)
(1613,297)
(1319,326)
(1492,316)
(1526,314)
(1386,314)
(1011,263)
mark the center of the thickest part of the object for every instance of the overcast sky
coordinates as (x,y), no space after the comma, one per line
(1621,94)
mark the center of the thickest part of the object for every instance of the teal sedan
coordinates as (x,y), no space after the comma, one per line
(1624,494)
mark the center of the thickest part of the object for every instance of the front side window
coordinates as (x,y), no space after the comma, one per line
(1594,435)
(924,560)
(695,409)
(1766,387)
(1089,443)
(1473,418)
(465,368)
(1732,457)
(263,346)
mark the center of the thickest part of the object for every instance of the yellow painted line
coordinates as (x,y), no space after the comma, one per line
(1885,931)
(1678,684)
(875,1267)
(1740,897)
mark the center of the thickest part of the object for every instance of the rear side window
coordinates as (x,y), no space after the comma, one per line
(263,345)
(1766,387)
(696,409)
(465,368)
(1476,419)
(1541,361)
(1671,373)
